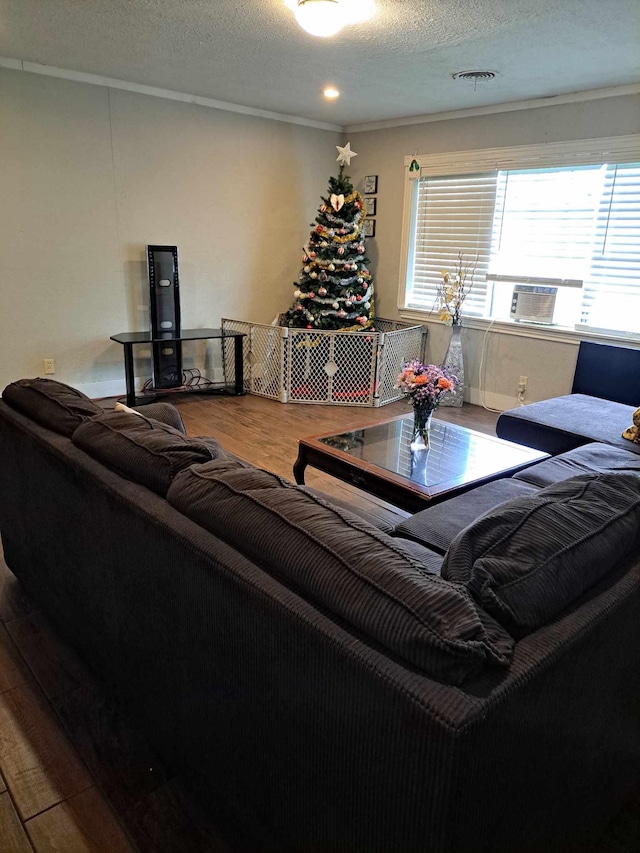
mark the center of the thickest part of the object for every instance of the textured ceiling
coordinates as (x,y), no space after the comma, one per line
(397,65)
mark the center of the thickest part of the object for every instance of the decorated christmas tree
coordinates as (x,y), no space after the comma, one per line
(335,289)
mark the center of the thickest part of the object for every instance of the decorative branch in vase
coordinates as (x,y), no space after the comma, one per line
(450,296)
(454,289)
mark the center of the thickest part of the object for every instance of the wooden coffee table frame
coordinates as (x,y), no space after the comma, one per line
(390,486)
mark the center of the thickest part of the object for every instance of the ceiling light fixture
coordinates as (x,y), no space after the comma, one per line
(331,93)
(320,17)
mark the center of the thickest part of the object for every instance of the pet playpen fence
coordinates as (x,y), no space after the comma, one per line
(326,367)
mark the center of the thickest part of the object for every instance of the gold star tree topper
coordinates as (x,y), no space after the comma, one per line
(345,154)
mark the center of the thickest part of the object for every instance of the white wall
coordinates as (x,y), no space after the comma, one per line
(89,176)
(548,364)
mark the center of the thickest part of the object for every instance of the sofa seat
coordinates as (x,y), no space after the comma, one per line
(595,458)
(437,526)
(563,423)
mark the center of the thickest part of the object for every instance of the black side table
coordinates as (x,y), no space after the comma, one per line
(130,339)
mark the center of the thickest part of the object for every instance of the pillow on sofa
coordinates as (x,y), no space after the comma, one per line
(527,560)
(166,413)
(140,448)
(346,566)
(52,404)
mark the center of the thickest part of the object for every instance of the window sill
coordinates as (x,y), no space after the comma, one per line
(560,334)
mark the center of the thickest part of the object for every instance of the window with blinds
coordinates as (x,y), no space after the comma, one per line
(453,215)
(566,224)
(611,292)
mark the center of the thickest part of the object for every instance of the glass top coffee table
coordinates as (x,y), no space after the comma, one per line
(379,460)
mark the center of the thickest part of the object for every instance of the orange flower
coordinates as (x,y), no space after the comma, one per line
(420,379)
(445,384)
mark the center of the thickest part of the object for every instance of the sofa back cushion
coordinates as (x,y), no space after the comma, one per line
(142,449)
(527,560)
(346,566)
(52,404)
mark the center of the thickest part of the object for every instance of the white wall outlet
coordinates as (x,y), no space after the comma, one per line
(522,384)
(49,365)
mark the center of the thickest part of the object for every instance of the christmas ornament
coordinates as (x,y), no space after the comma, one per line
(362,320)
(297,294)
(313,274)
(341,250)
(337,201)
(345,154)
(307,269)
(322,290)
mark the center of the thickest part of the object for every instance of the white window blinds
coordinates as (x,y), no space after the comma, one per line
(611,293)
(542,226)
(566,223)
(453,215)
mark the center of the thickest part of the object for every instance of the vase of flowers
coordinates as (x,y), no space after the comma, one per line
(425,386)
(450,296)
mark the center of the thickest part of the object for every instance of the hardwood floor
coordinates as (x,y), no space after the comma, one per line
(76,776)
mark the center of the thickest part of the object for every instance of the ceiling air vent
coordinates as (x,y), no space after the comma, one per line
(474,76)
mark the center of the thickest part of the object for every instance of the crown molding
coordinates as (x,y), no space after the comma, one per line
(492,109)
(168,94)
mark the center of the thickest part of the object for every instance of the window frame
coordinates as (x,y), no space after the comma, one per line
(617,149)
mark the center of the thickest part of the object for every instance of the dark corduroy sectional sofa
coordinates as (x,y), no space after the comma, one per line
(469,681)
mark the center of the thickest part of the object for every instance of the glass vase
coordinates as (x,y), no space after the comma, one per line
(422,414)
(454,363)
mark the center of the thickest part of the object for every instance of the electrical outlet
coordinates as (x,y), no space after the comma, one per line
(49,365)
(522,384)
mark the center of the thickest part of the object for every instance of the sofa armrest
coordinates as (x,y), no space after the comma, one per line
(165,413)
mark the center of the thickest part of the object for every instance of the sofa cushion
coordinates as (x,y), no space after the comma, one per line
(530,558)
(562,423)
(51,404)
(143,449)
(590,458)
(346,566)
(438,525)
(166,413)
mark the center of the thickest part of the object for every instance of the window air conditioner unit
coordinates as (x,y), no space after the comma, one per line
(533,303)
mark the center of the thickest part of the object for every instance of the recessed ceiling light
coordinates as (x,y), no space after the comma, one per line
(331,93)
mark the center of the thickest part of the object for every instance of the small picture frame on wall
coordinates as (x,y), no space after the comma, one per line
(370,201)
(369,229)
(371,184)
